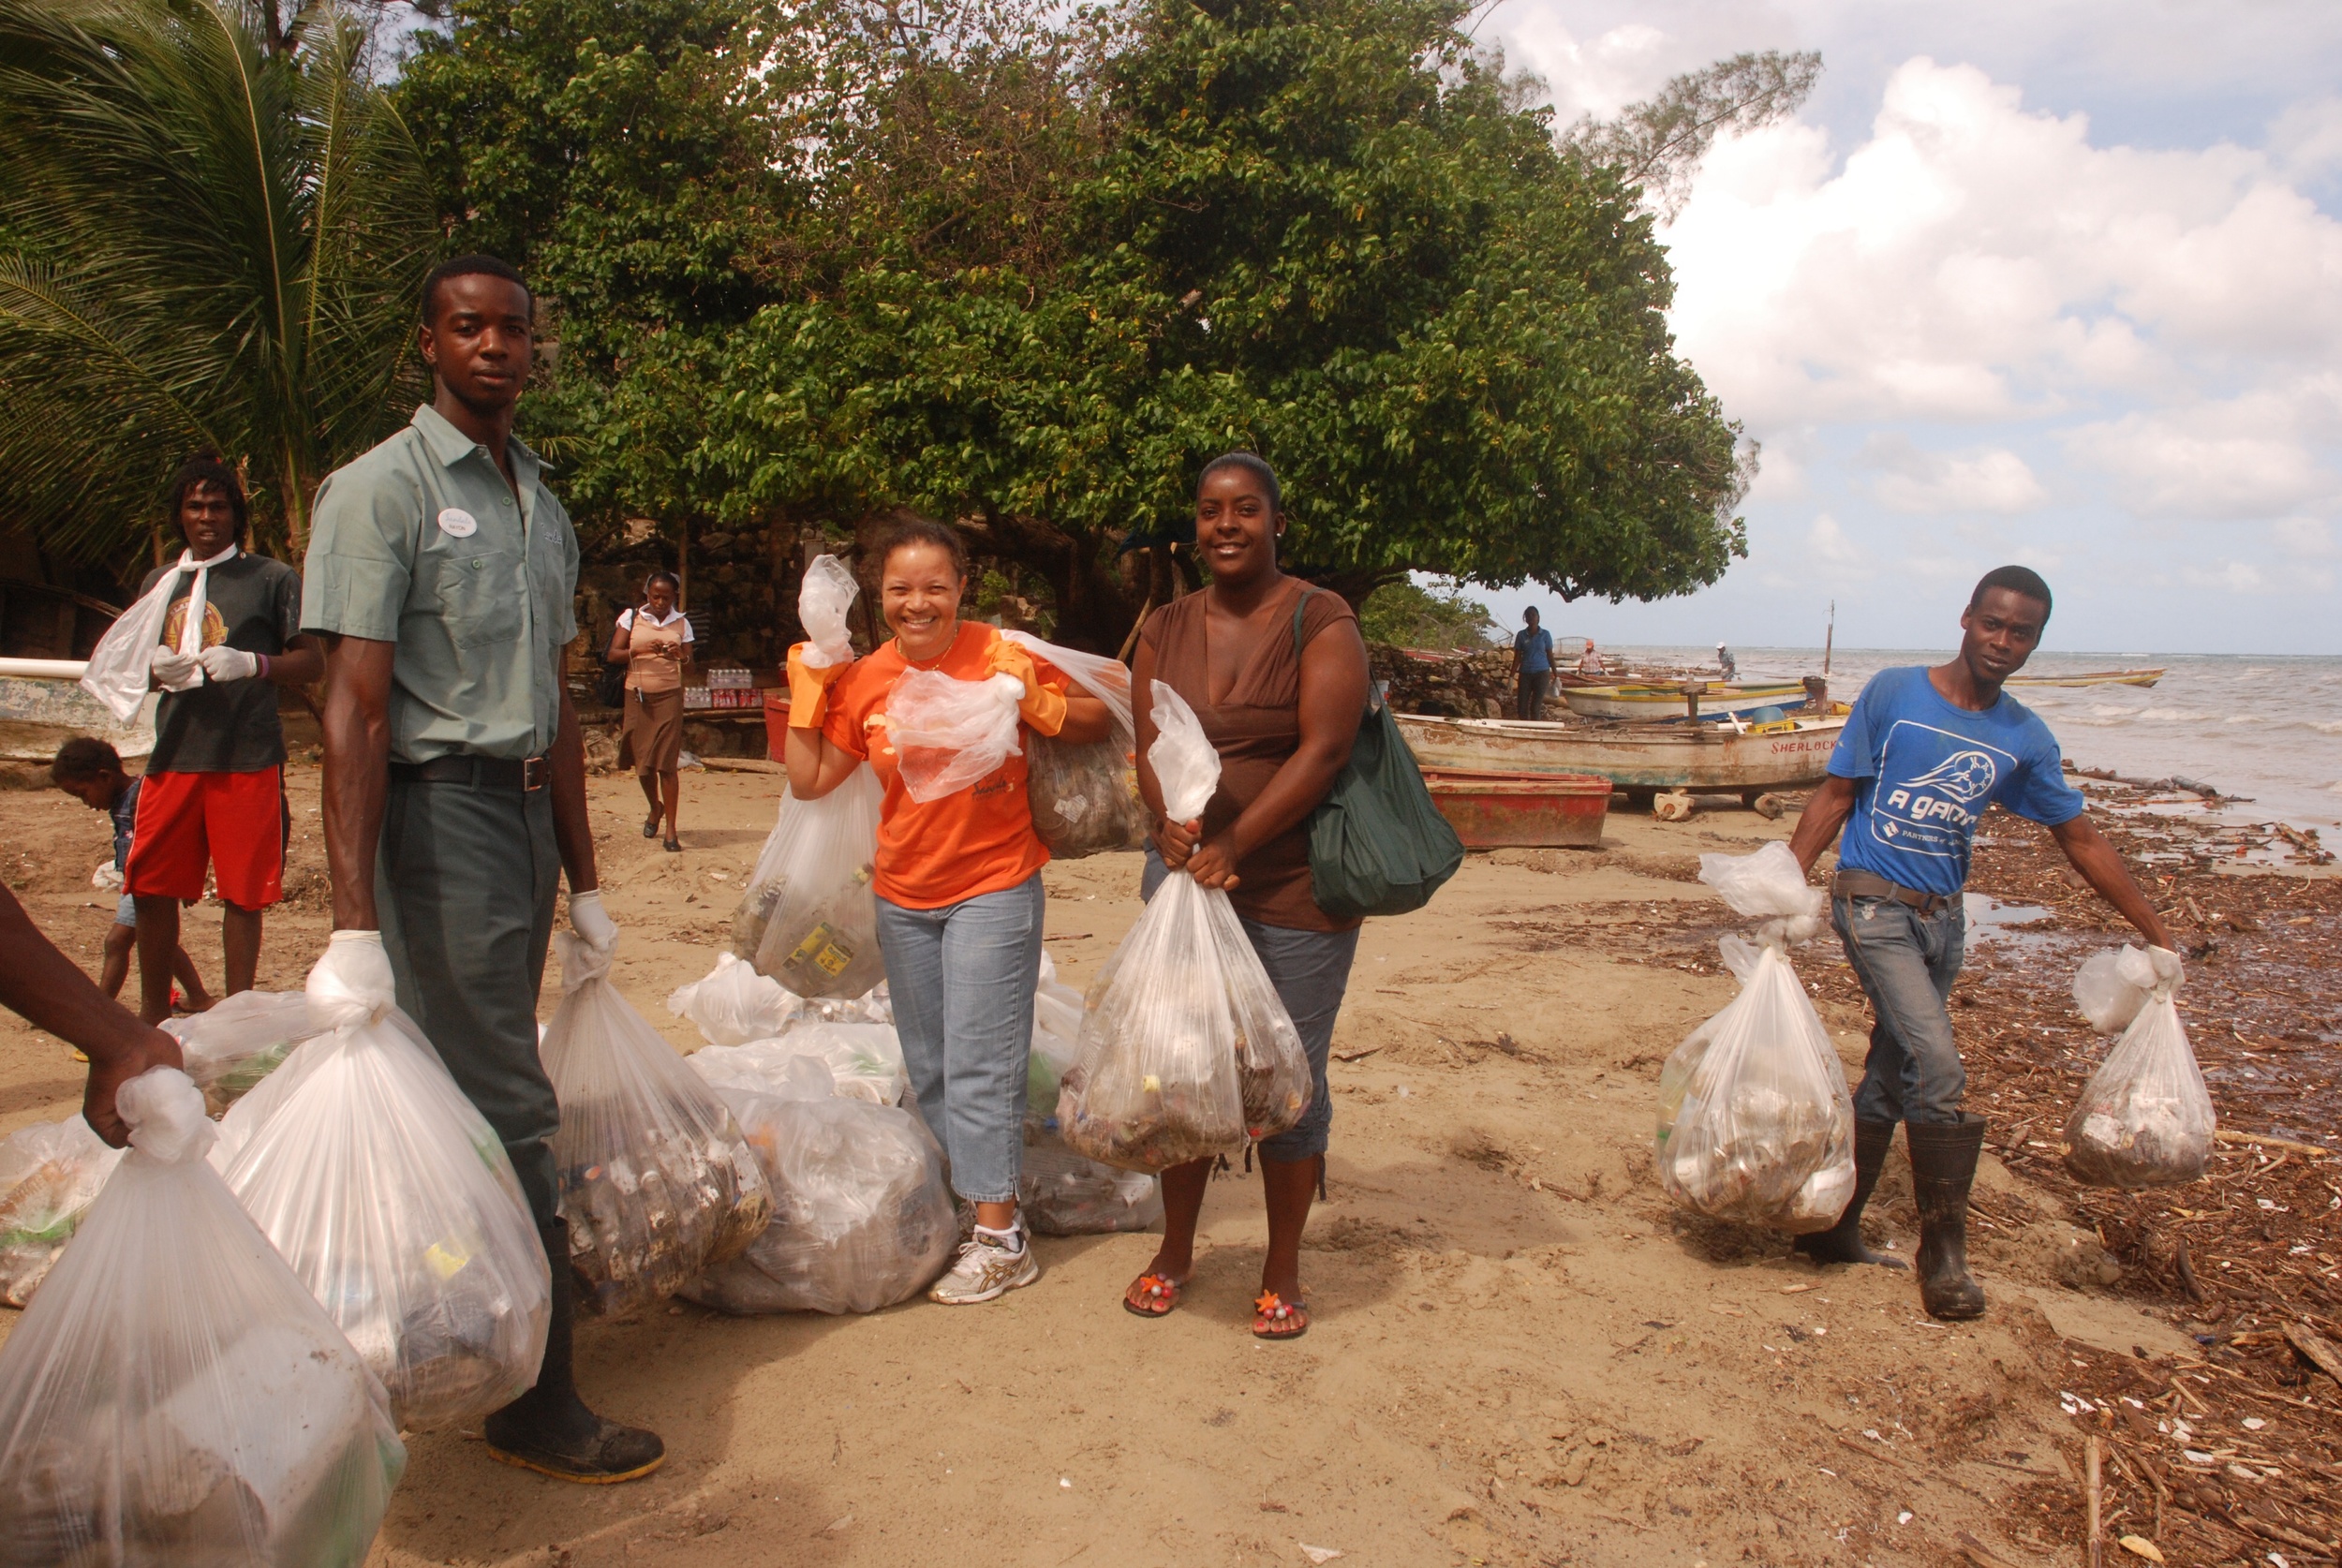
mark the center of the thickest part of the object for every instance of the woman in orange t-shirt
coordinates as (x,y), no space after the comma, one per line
(957,878)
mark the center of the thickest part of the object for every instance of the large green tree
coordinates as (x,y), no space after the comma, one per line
(206,242)
(1026,268)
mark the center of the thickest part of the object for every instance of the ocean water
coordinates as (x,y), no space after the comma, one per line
(2264,726)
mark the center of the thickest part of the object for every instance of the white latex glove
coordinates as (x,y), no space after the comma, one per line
(223,663)
(591,921)
(352,981)
(176,670)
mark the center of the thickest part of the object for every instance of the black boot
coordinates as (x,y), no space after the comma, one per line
(1842,1242)
(549,1429)
(1943,1168)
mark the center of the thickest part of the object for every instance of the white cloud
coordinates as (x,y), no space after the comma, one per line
(2237,460)
(1990,478)
(1975,261)
(1827,541)
(2304,539)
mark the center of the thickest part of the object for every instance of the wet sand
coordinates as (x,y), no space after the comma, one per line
(1520,1354)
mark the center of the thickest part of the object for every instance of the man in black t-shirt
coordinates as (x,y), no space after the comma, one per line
(213,792)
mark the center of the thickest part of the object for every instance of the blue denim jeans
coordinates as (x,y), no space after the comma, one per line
(1906,962)
(1310,970)
(962,980)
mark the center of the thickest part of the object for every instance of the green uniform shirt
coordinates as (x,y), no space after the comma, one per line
(421,542)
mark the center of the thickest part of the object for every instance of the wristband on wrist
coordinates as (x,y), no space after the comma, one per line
(264,659)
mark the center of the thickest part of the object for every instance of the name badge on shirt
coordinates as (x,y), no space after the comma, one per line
(455,523)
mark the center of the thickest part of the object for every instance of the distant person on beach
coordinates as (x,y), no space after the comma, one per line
(50,991)
(654,642)
(214,796)
(91,772)
(1726,665)
(1925,753)
(1590,663)
(1533,666)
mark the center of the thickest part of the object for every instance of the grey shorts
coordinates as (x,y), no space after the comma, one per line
(126,912)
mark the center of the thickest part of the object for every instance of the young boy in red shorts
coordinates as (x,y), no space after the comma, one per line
(214,791)
(91,772)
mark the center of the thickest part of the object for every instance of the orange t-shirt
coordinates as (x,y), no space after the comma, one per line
(974,841)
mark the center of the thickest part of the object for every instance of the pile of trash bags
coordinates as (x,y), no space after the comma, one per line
(1756,1124)
(1185,1050)
(866,1060)
(656,1180)
(174,1395)
(2144,1119)
(395,1202)
(809,919)
(1085,796)
(732,1004)
(861,1216)
(50,1174)
(240,1041)
(1058,1191)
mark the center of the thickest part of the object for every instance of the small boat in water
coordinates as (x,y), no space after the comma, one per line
(1717,757)
(1650,701)
(2097,677)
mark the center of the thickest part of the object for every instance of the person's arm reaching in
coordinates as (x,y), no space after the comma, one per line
(2101,865)
(573,831)
(52,993)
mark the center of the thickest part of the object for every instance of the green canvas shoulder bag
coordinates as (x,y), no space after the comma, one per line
(1378,845)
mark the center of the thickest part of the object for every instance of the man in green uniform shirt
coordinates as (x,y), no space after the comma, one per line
(439,575)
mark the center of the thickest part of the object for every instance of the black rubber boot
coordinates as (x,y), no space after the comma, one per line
(1943,1168)
(549,1429)
(1841,1243)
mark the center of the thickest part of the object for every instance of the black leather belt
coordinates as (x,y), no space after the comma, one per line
(480,773)
(1866,885)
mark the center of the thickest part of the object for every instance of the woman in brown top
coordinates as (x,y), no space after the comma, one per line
(1282,707)
(654,642)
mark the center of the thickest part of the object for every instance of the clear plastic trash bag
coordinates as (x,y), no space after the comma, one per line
(1060,1194)
(1756,1123)
(2144,1119)
(823,597)
(241,1041)
(864,1059)
(394,1202)
(1085,796)
(1185,1049)
(655,1181)
(2106,998)
(50,1174)
(1056,1027)
(874,1006)
(809,918)
(734,1004)
(174,1395)
(120,670)
(861,1219)
(948,734)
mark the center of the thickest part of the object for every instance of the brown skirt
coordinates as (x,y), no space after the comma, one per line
(651,738)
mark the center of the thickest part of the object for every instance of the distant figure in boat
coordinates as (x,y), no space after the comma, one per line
(1725,664)
(1590,663)
(1533,666)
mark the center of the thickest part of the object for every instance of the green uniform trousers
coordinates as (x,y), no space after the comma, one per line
(465,886)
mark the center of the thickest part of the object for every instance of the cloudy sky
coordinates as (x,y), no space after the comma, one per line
(2057,281)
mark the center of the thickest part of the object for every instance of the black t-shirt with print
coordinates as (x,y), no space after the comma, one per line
(251,602)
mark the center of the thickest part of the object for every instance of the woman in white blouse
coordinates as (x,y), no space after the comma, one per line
(654,642)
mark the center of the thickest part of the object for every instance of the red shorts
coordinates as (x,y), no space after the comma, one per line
(234,820)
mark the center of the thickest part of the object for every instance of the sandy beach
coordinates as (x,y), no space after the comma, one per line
(1522,1355)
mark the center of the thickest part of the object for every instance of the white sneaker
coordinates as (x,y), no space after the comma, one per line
(986,1270)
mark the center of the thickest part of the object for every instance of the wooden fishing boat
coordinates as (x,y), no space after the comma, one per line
(1711,756)
(1492,810)
(1648,701)
(2095,678)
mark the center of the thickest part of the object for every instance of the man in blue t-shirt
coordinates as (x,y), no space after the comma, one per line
(1925,753)
(1532,663)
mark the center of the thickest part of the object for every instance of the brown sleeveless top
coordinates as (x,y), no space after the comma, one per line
(1255,731)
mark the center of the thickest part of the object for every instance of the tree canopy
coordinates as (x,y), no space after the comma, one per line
(204,245)
(1027,271)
